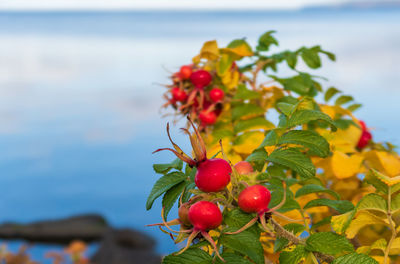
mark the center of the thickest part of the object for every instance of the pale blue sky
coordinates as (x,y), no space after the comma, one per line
(159,4)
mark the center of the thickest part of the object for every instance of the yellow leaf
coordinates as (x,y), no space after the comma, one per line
(385,179)
(339,222)
(380,259)
(395,248)
(293,214)
(344,140)
(230,79)
(363,250)
(247,142)
(242,50)
(344,166)
(383,161)
(210,50)
(379,244)
(363,219)
(269,149)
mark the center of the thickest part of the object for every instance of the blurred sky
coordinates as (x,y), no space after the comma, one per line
(163,4)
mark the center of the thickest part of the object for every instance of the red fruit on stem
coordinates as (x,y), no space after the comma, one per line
(200,78)
(185,72)
(183,213)
(366,136)
(243,167)
(205,216)
(217,95)
(207,117)
(213,175)
(178,94)
(254,199)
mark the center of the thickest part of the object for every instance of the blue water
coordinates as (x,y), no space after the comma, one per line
(79,98)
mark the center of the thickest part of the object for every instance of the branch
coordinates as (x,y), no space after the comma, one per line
(282,232)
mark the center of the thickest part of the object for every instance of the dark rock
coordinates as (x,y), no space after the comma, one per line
(117,246)
(125,246)
(87,228)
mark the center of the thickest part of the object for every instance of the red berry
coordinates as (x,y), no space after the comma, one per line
(217,95)
(185,72)
(183,213)
(207,118)
(178,94)
(213,175)
(200,78)
(205,216)
(243,167)
(254,199)
(365,138)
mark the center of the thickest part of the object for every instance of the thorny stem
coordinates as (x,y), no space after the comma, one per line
(259,67)
(282,232)
(392,227)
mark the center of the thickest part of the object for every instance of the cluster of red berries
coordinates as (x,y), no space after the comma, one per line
(193,94)
(200,215)
(366,136)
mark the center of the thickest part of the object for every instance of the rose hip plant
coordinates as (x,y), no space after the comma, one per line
(309,187)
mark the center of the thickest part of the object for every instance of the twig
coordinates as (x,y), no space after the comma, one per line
(282,232)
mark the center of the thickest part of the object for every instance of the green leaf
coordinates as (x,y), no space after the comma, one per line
(330,55)
(328,243)
(311,57)
(343,99)
(239,42)
(191,255)
(293,159)
(330,93)
(253,123)
(171,196)
(340,206)
(270,139)
(164,168)
(232,258)
(224,64)
(295,228)
(378,184)
(313,188)
(245,94)
(307,138)
(294,256)
(164,184)
(354,107)
(291,59)
(285,108)
(395,204)
(246,111)
(246,243)
(304,116)
(236,219)
(258,155)
(280,243)
(355,258)
(187,194)
(266,40)
(301,84)
(373,202)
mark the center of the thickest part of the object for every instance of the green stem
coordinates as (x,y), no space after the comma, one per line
(392,227)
